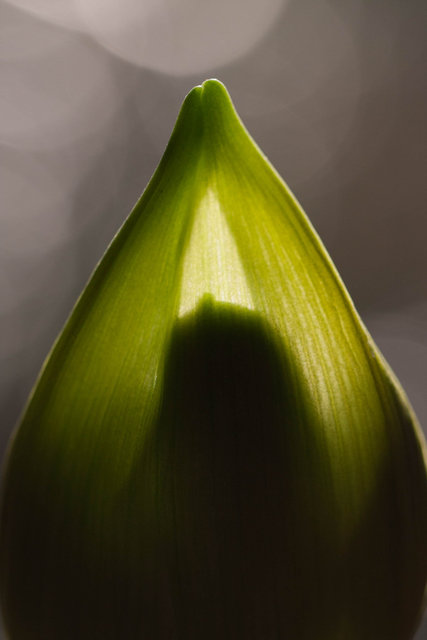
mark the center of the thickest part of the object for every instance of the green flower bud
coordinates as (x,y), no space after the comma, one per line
(214,448)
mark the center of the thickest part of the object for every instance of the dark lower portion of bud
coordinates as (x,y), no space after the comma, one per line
(228,526)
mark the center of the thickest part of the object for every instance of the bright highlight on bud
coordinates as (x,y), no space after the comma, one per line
(215,448)
(212,263)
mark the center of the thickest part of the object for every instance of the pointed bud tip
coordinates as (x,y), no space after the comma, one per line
(207,107)
(211,95)
(212,84)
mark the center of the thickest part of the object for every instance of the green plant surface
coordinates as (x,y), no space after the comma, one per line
(214,447)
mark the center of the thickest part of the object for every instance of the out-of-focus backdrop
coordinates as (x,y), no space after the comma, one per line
(333,91)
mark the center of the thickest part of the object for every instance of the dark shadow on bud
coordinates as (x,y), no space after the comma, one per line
(220,443)
(217,482)
(230,524)
(243,536)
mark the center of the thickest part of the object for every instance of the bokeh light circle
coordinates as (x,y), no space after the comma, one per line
(179,37)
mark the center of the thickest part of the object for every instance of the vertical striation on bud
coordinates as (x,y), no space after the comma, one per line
(215,447)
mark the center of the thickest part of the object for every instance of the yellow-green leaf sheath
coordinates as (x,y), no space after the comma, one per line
(214,447)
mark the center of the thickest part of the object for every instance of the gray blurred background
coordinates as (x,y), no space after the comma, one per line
(333,91)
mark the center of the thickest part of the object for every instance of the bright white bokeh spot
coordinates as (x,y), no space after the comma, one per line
(179,37)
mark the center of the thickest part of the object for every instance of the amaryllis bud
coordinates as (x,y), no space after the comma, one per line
(214,448)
